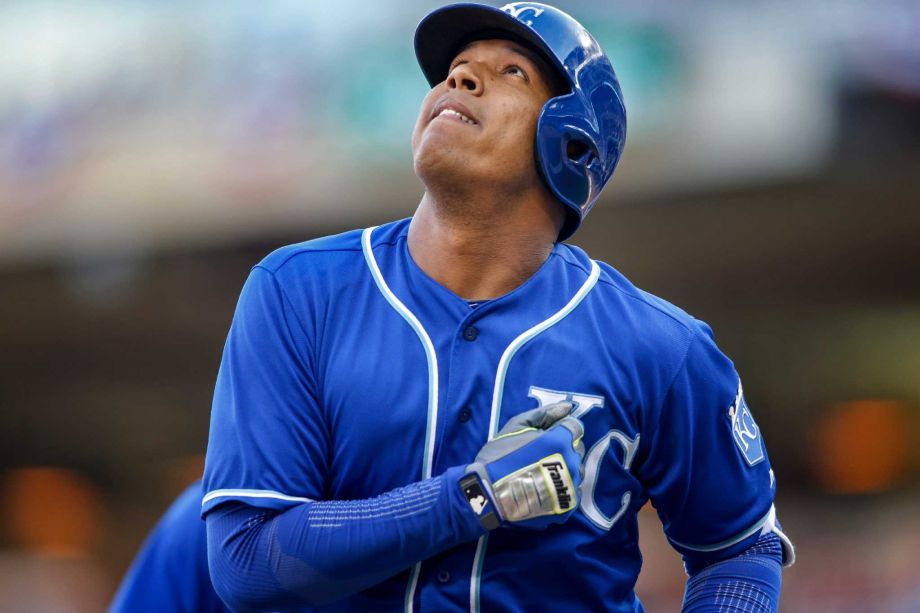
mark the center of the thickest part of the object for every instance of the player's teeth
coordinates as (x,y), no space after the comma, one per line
(462,117)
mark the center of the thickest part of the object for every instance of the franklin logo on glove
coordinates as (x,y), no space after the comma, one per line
(562,491)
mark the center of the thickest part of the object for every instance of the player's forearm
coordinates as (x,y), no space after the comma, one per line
(320,552)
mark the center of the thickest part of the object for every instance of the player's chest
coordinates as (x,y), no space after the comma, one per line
(404,406)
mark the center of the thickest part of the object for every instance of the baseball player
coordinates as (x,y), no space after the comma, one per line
(459,411)
(170,573)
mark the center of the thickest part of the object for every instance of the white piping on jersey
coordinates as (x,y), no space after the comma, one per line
(475,579)
(416,325)
(758,526)
(499,390)
(409,602)
(526,336)
(430,433)
(788,547)
(252,494)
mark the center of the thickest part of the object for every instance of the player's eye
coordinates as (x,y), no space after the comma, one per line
(516,71)
(455,63)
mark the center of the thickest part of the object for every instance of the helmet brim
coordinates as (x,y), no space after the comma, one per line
(444,32)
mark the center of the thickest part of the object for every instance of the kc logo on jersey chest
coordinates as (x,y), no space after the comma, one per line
(601,449)
(583,402)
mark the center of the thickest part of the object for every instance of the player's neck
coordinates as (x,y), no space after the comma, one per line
(478,257)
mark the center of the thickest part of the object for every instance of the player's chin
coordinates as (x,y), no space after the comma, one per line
(437,157)
(440,139)
(429,159)
(442,132)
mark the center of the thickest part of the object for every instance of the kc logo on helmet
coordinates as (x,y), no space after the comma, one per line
(518,10)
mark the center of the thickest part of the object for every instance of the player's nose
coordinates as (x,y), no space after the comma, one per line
(464,77)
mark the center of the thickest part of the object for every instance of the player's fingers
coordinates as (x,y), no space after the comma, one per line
(577,429)
(580,449)
(541,417)
(552,413)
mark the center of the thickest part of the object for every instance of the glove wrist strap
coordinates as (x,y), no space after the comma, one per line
(476,494)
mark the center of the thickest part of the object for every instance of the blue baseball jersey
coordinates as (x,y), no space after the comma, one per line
(170,573)
(349,372)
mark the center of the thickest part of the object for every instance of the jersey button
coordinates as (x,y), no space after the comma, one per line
(465,414)
(443,576)
(470,333)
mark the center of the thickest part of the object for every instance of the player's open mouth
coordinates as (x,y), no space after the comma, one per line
(458,115)
(453,110)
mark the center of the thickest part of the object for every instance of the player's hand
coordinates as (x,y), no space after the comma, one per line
(532,468)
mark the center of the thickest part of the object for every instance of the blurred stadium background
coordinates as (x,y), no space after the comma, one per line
(151,152)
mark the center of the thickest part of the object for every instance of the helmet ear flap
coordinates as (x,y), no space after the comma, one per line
(580,151)
(567,150)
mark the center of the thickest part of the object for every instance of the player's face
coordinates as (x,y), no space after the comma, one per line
(479,123)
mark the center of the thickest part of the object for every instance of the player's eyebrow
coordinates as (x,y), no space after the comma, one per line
(514,48)
(549,73)
(528,54)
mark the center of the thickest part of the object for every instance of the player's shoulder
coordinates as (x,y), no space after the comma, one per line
(336,254)
(336,248)
(649,319)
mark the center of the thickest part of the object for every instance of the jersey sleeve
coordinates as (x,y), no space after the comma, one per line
(707,471)
(267,445)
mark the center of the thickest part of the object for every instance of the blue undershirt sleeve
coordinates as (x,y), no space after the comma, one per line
(319,552)
(746,583)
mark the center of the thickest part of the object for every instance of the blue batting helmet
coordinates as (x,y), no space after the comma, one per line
(580,134)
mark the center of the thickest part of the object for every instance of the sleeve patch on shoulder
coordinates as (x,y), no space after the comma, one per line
(745,430)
